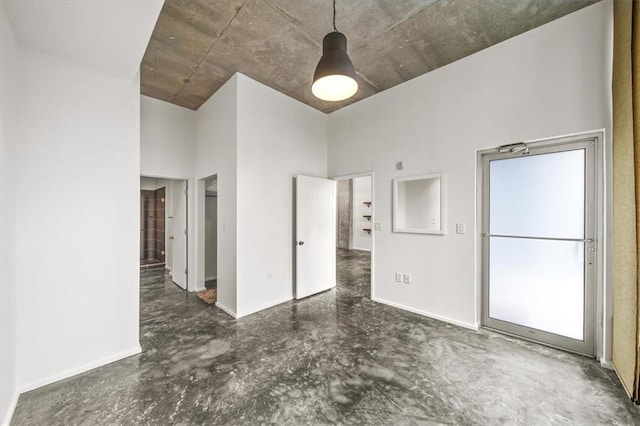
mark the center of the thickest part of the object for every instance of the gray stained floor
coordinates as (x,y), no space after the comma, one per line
(334,358)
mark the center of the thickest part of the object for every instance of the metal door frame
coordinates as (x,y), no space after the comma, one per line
(593,245)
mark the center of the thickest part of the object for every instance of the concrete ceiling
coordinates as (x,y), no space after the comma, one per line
(197,45)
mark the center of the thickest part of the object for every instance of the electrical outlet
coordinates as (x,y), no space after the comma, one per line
(377,226)
(406,278)
(398,277)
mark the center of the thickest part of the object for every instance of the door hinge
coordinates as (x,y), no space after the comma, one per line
(185,232)
(186,272)
(186,192)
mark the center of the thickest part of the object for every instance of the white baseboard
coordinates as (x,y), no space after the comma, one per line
(606,364)
(260,308)
(361,249)
(473,327)
(82,369)
(11,409)
(211,278)
(227,310)
(195,290)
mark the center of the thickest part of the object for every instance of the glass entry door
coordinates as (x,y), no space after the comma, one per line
(538,247)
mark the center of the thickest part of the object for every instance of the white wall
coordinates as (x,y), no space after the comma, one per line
(73,29)
(550,81)
(236,130)
(80,135)
(167,138)
(361,192)
(8,285)
(216,154)
(211,238)
(150,184)
(278,138)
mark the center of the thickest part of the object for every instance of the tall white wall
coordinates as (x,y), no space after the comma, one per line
(361,240)
(278,138)
(216,154)
(235,131)
(167,139)
(553,80)
(78,278)
(9,99)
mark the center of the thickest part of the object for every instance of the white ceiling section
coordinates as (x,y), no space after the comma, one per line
(109,35)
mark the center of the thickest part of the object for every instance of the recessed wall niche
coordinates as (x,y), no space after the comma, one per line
(418,204)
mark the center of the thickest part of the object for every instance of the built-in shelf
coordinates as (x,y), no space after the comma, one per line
(367,230)
(367,203)
(367,217)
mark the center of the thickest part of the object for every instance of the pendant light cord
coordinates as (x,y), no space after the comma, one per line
(334,16)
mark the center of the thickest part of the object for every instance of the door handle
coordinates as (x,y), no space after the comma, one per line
(300,243)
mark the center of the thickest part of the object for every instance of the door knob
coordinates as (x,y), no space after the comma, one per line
(300,243)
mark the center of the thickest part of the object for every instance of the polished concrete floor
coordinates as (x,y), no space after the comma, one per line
(334,358)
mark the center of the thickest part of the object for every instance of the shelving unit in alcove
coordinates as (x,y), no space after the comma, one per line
(367,217)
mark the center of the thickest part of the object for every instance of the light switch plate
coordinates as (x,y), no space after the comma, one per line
(398,277)
(377,226)
(460,228)
(406,278)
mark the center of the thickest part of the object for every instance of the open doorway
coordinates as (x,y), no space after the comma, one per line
(163,227)
(206,239)
(211,234)
(152,225)
(354,232)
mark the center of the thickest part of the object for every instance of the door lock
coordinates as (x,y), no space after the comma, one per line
(300,243)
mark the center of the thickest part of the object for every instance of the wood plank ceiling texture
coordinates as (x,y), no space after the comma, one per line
(197,45)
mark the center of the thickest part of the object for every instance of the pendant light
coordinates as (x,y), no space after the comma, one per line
(335,77)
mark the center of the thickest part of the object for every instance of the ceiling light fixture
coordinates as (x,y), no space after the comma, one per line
(335,77)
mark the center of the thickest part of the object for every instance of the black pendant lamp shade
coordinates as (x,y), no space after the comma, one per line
(335,77)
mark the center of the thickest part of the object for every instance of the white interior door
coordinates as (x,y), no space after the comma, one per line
(179,229)
(315,235)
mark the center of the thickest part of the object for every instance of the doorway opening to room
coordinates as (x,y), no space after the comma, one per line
(207,239)
(541,242)
(211,234)
(163,227)
(354,233)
